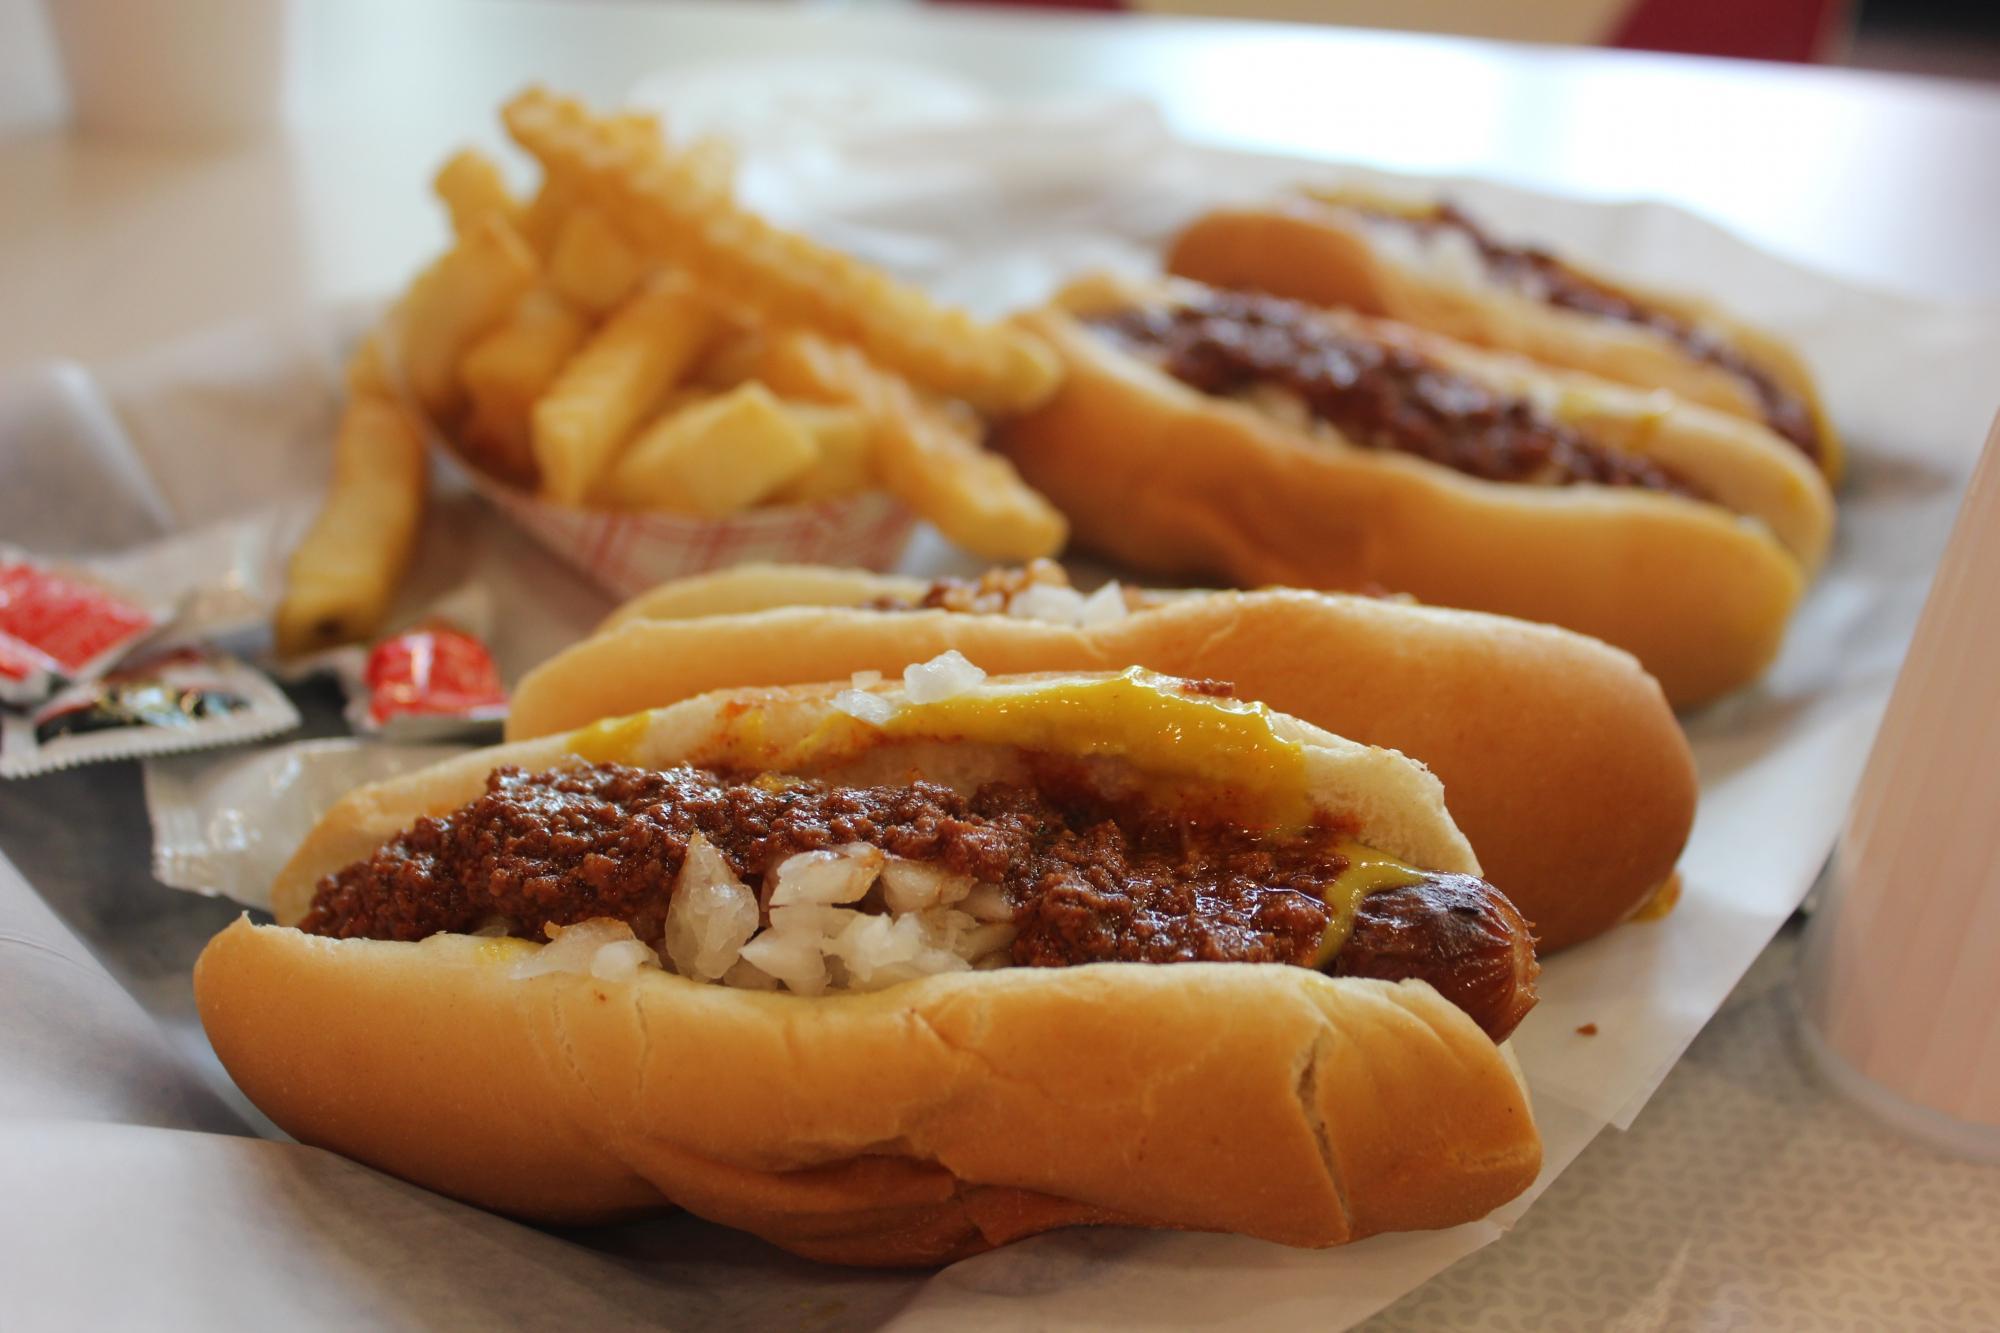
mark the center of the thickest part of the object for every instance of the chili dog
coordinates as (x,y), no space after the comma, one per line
(1560,759)
(891,976)
(1432,265)
(1210,433)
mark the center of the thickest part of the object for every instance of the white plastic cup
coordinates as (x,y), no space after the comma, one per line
(1901,981)
(173,71)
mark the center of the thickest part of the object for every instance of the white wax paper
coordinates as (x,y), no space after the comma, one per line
(226,823)
(127,1140)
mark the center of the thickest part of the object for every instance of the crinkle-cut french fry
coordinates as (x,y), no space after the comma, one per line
(712,458)
(542,217)
(345,573)
(641,129)
(673,206)
(471,186)
(730,359)
(925,454)
(506,371)
(846,461)
(467,291)
(611,385)
(591,265)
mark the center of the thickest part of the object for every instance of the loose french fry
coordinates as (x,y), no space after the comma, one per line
(365,373)
(845,462)
(713,458)
(458,298)
(506,371)
(925,455)
(613,384)
(591,265)
(680,210)
(344,574)
(471,186)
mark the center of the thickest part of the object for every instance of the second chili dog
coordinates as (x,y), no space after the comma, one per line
(1433,265)
(1560,759)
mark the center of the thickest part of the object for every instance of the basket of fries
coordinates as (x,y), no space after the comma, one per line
(653,380)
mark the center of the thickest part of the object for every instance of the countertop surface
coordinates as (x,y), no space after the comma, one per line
(111,246)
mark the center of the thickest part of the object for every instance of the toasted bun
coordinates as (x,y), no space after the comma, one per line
(1175,482)
(1317,249)
(1560,759)
(910,1125)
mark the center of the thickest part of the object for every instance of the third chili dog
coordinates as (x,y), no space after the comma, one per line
(1208,434)
(1560,759)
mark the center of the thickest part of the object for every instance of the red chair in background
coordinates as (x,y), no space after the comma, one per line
(1794,30)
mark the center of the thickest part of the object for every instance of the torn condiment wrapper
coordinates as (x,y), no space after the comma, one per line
(59,623)
(222,581)
(224,825)
(185,699)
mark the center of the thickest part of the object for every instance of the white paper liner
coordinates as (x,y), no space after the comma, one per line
(224,825)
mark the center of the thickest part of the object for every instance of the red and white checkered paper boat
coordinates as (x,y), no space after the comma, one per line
(627,552)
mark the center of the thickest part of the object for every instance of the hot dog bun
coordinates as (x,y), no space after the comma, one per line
(910,1125)
(1560,759)
(1319,248)
(1173,481)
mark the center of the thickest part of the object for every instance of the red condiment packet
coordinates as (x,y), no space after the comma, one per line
(434,670)
(58,624)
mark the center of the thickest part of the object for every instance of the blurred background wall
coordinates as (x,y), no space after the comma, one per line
(1952,38)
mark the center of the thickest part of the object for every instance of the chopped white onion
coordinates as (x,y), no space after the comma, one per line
(943,926)
(912,886)
(837,875)
(1104,606)
(943,677)
(712,914)
(863,706)
(984,942)
(865,680)
(621,960)
(574,948)
(878,951)
(1280,404)
(793,957)
(746,975)
(987,902)
(1444,253)
(871,943)
(1052,602)
(814,919)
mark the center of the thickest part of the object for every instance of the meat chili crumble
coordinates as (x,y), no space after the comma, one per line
(1376,394)
(1534,270)
(1089,880)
